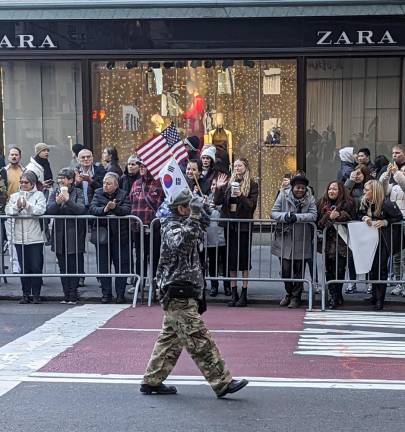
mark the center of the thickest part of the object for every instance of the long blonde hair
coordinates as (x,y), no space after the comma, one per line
(245,181)
(378,196)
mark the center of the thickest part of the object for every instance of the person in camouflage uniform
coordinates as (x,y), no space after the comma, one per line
(180,280)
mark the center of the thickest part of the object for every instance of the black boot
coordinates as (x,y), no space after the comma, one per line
(227,290)
(242,302)
(235,297)
(214,290)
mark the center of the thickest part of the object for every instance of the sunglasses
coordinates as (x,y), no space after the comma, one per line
(24,182)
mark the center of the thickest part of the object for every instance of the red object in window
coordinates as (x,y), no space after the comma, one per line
(94,115)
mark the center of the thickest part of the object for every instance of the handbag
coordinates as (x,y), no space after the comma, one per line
(99,235)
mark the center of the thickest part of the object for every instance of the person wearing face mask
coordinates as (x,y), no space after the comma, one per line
(27,234)
(238,198)
(294,205)
(379,212)
(335,206)
(68,235)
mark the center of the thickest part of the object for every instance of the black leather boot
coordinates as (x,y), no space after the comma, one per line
(242,302)
(235,297)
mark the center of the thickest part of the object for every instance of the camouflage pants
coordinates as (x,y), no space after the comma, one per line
(183,326)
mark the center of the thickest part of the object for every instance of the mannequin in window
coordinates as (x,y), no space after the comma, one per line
(194,114)
(158,123)
(222,139)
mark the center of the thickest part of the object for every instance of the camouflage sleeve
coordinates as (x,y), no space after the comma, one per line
(182,237)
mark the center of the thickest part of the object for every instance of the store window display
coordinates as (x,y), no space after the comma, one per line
(222,104)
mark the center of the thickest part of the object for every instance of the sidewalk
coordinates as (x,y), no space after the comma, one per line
(264,265)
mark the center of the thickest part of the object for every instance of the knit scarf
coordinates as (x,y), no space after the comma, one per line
(46,166)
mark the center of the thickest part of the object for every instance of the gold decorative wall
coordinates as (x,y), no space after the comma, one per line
(256,97)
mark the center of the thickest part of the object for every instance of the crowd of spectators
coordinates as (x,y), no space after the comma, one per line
(362,190)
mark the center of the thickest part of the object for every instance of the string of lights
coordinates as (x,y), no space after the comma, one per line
(135,84)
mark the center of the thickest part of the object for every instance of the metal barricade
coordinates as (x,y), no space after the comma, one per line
(80,246)
(337,260)
(260,235)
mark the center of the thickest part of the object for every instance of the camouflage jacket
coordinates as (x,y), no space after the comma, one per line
(179,260)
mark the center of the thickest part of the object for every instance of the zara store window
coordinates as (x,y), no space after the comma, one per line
(350,102)
(41,102)
(246,106)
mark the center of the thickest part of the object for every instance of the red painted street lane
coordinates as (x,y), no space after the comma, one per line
(116,349)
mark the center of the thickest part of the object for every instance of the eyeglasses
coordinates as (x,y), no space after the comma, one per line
(86,157)
(24,182)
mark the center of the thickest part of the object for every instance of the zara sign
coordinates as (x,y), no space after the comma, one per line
(359,37)
(27,41)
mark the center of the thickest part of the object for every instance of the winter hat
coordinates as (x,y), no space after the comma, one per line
(66,172)
(76,148)
(210,152)
(346,154)
(30,176)
(299,179)
(193,142)
(134,159)
(40,147)
(181,198)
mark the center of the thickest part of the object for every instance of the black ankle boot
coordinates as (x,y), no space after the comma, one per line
(235,297)
(242,302)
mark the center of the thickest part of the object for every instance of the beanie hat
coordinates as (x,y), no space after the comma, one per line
(193,142)
(40,147)
(133,158)
(210,152)
(299,179)
(66,172)
(76,148)
(181,198)
(30,176)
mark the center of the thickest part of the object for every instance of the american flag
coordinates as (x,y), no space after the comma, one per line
(156,152)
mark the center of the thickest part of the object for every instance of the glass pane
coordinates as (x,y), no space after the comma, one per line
(250,104)
(350,102)
(42,102)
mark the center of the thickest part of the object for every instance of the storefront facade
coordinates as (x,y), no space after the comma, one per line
(282,92)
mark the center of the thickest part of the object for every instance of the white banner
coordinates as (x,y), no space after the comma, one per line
(172,179)
(363,241)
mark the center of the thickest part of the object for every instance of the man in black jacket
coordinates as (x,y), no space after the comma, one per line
(89,175)
(112,201)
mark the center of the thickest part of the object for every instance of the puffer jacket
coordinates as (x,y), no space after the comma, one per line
(292,246)
(36,168)
(27,231)
(394,187)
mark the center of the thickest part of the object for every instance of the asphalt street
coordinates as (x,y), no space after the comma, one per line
(78,369)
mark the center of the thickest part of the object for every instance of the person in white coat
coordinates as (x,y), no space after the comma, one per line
(27,234)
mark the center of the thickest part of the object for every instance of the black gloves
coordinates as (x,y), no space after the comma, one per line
(290,218)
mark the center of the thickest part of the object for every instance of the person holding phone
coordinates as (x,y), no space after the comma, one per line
(39,164)
(393,181)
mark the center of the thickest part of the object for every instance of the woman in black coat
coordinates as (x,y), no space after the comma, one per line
(112,201)
(375,210)
(68,235)
(238,198)
(335,206)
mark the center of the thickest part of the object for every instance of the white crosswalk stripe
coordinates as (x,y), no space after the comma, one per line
(353,334)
